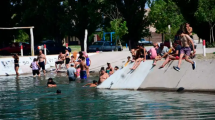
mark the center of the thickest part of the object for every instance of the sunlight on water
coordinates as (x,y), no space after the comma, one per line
(29,98)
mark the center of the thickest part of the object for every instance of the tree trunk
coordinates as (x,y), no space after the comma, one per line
(213,33)
(81,38)
(210,35)
(162,37)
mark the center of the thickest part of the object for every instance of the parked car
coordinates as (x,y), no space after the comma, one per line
(103,46)
(16,48)
(51,47)
(143,41)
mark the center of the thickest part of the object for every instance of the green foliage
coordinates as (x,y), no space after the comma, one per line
(22,36)
(164,13)
(206,11)
(81,15)
(119,27)
(133,12)
(210,45)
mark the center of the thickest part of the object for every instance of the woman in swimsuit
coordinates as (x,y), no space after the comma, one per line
(109,68)
(67,58)
(16,63)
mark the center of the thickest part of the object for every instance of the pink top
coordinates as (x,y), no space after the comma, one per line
(78,72)
(153,53)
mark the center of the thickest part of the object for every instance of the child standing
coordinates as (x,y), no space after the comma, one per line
(35,67)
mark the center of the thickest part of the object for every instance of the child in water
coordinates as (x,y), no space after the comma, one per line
(35,67)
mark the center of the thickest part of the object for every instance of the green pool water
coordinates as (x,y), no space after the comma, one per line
(26,98)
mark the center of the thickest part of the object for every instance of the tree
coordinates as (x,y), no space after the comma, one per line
(6,12)
(164,13)
(134,13)
(206,13)
(119,27)
(81,15)
(188,9)
(45,16)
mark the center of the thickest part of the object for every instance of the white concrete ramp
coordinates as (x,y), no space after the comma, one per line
(126,79)
(200,79)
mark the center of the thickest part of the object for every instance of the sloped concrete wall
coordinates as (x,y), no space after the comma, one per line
(147,78)
(201,79)
(125,79)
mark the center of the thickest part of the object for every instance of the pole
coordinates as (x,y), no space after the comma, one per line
(85,41)
(32,42)
(21,50)
(45,49)
(170,42)
(204,49)
(66,45)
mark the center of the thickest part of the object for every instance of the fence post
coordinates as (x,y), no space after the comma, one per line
(204,49)
(21,50)
(45,49)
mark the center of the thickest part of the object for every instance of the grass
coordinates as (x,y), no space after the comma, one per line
(76,48)
(208,56)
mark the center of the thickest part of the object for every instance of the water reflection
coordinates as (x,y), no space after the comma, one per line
(29,98)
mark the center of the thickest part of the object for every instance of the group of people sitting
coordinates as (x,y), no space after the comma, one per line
(182,48)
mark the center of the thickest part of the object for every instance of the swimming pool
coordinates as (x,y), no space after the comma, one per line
(28,98)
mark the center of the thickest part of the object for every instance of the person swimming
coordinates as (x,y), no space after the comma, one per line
(94,84)
(58,92)
(51,83)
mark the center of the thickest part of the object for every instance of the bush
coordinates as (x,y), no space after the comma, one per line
(210,45)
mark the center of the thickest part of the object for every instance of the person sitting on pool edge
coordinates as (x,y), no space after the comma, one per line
(51,83)
(94,84)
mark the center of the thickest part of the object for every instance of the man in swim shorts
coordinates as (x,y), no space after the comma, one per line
(84,67)
(42,61)
(60,61)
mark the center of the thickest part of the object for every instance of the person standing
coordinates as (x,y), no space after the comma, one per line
(42,61)
(71,72)
(185,50)
(67,58)
(35,67)
(16,63)
(84,67)
(88,63)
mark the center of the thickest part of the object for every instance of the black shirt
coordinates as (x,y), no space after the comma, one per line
(52,83)
(179,49)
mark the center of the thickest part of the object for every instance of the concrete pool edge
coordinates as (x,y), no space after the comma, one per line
(201,79)
(7,64)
